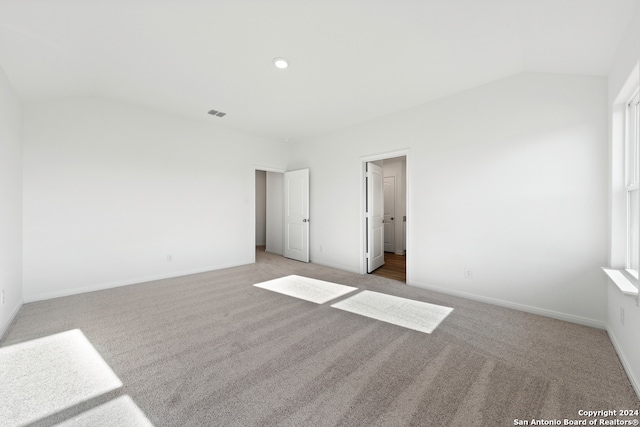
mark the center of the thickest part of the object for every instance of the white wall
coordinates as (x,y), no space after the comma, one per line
(508,179)
(261,208)
(10,203)
(626,337)
(275,213)
(110,190)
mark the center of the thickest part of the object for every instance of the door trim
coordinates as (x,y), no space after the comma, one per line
(363,205)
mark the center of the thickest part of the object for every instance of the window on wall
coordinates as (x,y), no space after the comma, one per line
(632,163)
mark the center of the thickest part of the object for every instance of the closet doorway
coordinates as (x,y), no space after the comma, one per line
(269,211)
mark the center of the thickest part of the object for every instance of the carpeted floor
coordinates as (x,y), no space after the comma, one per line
(213,350)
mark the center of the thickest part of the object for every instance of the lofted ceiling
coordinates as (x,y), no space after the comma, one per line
(351,60)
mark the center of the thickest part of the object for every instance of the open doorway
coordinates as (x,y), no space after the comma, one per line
(261,209)
(393,206)
(282,212)
(269,211)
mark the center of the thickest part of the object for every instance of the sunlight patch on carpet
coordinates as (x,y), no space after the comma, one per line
(314,290)
(416,315)
(119,412)
(47,375)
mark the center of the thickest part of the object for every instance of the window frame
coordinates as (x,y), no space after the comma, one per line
(632,183)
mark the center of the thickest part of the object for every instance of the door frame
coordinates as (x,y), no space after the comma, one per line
(363,205)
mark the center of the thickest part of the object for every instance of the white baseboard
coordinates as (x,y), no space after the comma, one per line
(342,267)
(625,364)
(127,282)
(515,306)
(12,317)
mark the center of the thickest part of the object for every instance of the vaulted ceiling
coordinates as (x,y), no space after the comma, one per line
(350,60)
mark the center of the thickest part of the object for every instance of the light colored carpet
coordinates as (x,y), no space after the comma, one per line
(416,315)
(306,288)
(43,376)
(118,412)
(211,349)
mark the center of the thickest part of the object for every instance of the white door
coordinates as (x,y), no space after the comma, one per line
(389,213)
(375,216)
(296,215)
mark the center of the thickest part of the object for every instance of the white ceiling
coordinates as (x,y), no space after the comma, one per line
(351,60)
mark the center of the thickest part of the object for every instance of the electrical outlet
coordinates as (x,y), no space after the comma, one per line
(622,315)
(468,273)
(169,258)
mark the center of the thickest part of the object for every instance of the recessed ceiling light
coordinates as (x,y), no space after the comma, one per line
(281,63)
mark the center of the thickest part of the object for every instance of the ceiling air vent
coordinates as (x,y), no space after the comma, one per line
(217,113)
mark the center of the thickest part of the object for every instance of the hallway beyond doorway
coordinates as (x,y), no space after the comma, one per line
(395,267)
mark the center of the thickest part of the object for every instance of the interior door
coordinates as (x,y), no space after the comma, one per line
(389,213)
(375,217)
(296,215)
